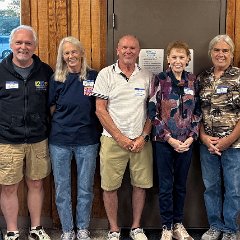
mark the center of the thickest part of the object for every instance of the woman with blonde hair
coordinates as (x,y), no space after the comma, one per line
(74,132)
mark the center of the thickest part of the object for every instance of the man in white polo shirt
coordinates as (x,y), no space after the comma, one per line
(122,92)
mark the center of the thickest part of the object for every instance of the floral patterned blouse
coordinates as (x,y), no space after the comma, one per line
(174,107)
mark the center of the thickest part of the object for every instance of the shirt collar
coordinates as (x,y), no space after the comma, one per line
(118,70)
(184,80)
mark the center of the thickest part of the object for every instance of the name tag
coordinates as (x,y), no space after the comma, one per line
(221,90)
(88,83)
(139,91)
(12,85)
(188,91)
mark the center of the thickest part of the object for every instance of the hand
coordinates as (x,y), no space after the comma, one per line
(188,142)
(217,152)
(211,143)
(223,144)
(138,145)
(178,145)
(125,142)
(185,145)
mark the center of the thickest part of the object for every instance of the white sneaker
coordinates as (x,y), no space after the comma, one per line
(138,234)
(83,234)
(113,236)
(68,235)
(166,234)
(38,234)
(229,236)
(180,232)
(211,234)
(11,236)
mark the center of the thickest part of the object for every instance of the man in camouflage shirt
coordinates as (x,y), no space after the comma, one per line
(220,137)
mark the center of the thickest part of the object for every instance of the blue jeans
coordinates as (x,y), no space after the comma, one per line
(172,174)
(221,177)
(61,157)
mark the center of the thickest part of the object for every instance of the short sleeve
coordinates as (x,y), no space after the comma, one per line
(52,96)
(101,86)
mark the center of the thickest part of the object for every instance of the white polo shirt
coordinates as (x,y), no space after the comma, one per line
(127,98)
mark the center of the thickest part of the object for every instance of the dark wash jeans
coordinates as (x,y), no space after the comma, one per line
(172,176)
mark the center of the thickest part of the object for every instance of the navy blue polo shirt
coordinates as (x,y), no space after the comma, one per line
(74,122)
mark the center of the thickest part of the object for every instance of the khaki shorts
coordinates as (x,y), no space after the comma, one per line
(31,160)
(114,160)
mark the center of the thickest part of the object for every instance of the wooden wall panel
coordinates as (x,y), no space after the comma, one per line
(85,28)
(233,27)
(47,209)
(53,20)
(25,16)
(61,19)
(230,18)
(52,29)
(99,28)
(75,17)
(34,17)
(237,34)
(22,194)
(43,32)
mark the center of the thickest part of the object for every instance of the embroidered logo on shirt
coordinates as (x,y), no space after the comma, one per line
(41,85)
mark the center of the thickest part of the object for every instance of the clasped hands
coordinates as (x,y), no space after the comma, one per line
(215,144)
(133,145)
(180,146)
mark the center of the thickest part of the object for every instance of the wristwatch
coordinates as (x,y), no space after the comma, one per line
(145,136)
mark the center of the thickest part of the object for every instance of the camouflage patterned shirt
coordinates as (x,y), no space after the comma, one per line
(220,102)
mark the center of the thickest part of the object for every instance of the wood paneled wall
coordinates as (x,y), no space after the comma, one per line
(55,19)
(233,27)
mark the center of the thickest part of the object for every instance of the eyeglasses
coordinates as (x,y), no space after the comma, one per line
(73,52)
(224,50)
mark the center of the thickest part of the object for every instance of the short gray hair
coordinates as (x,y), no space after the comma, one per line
(24,27)
(219,38)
